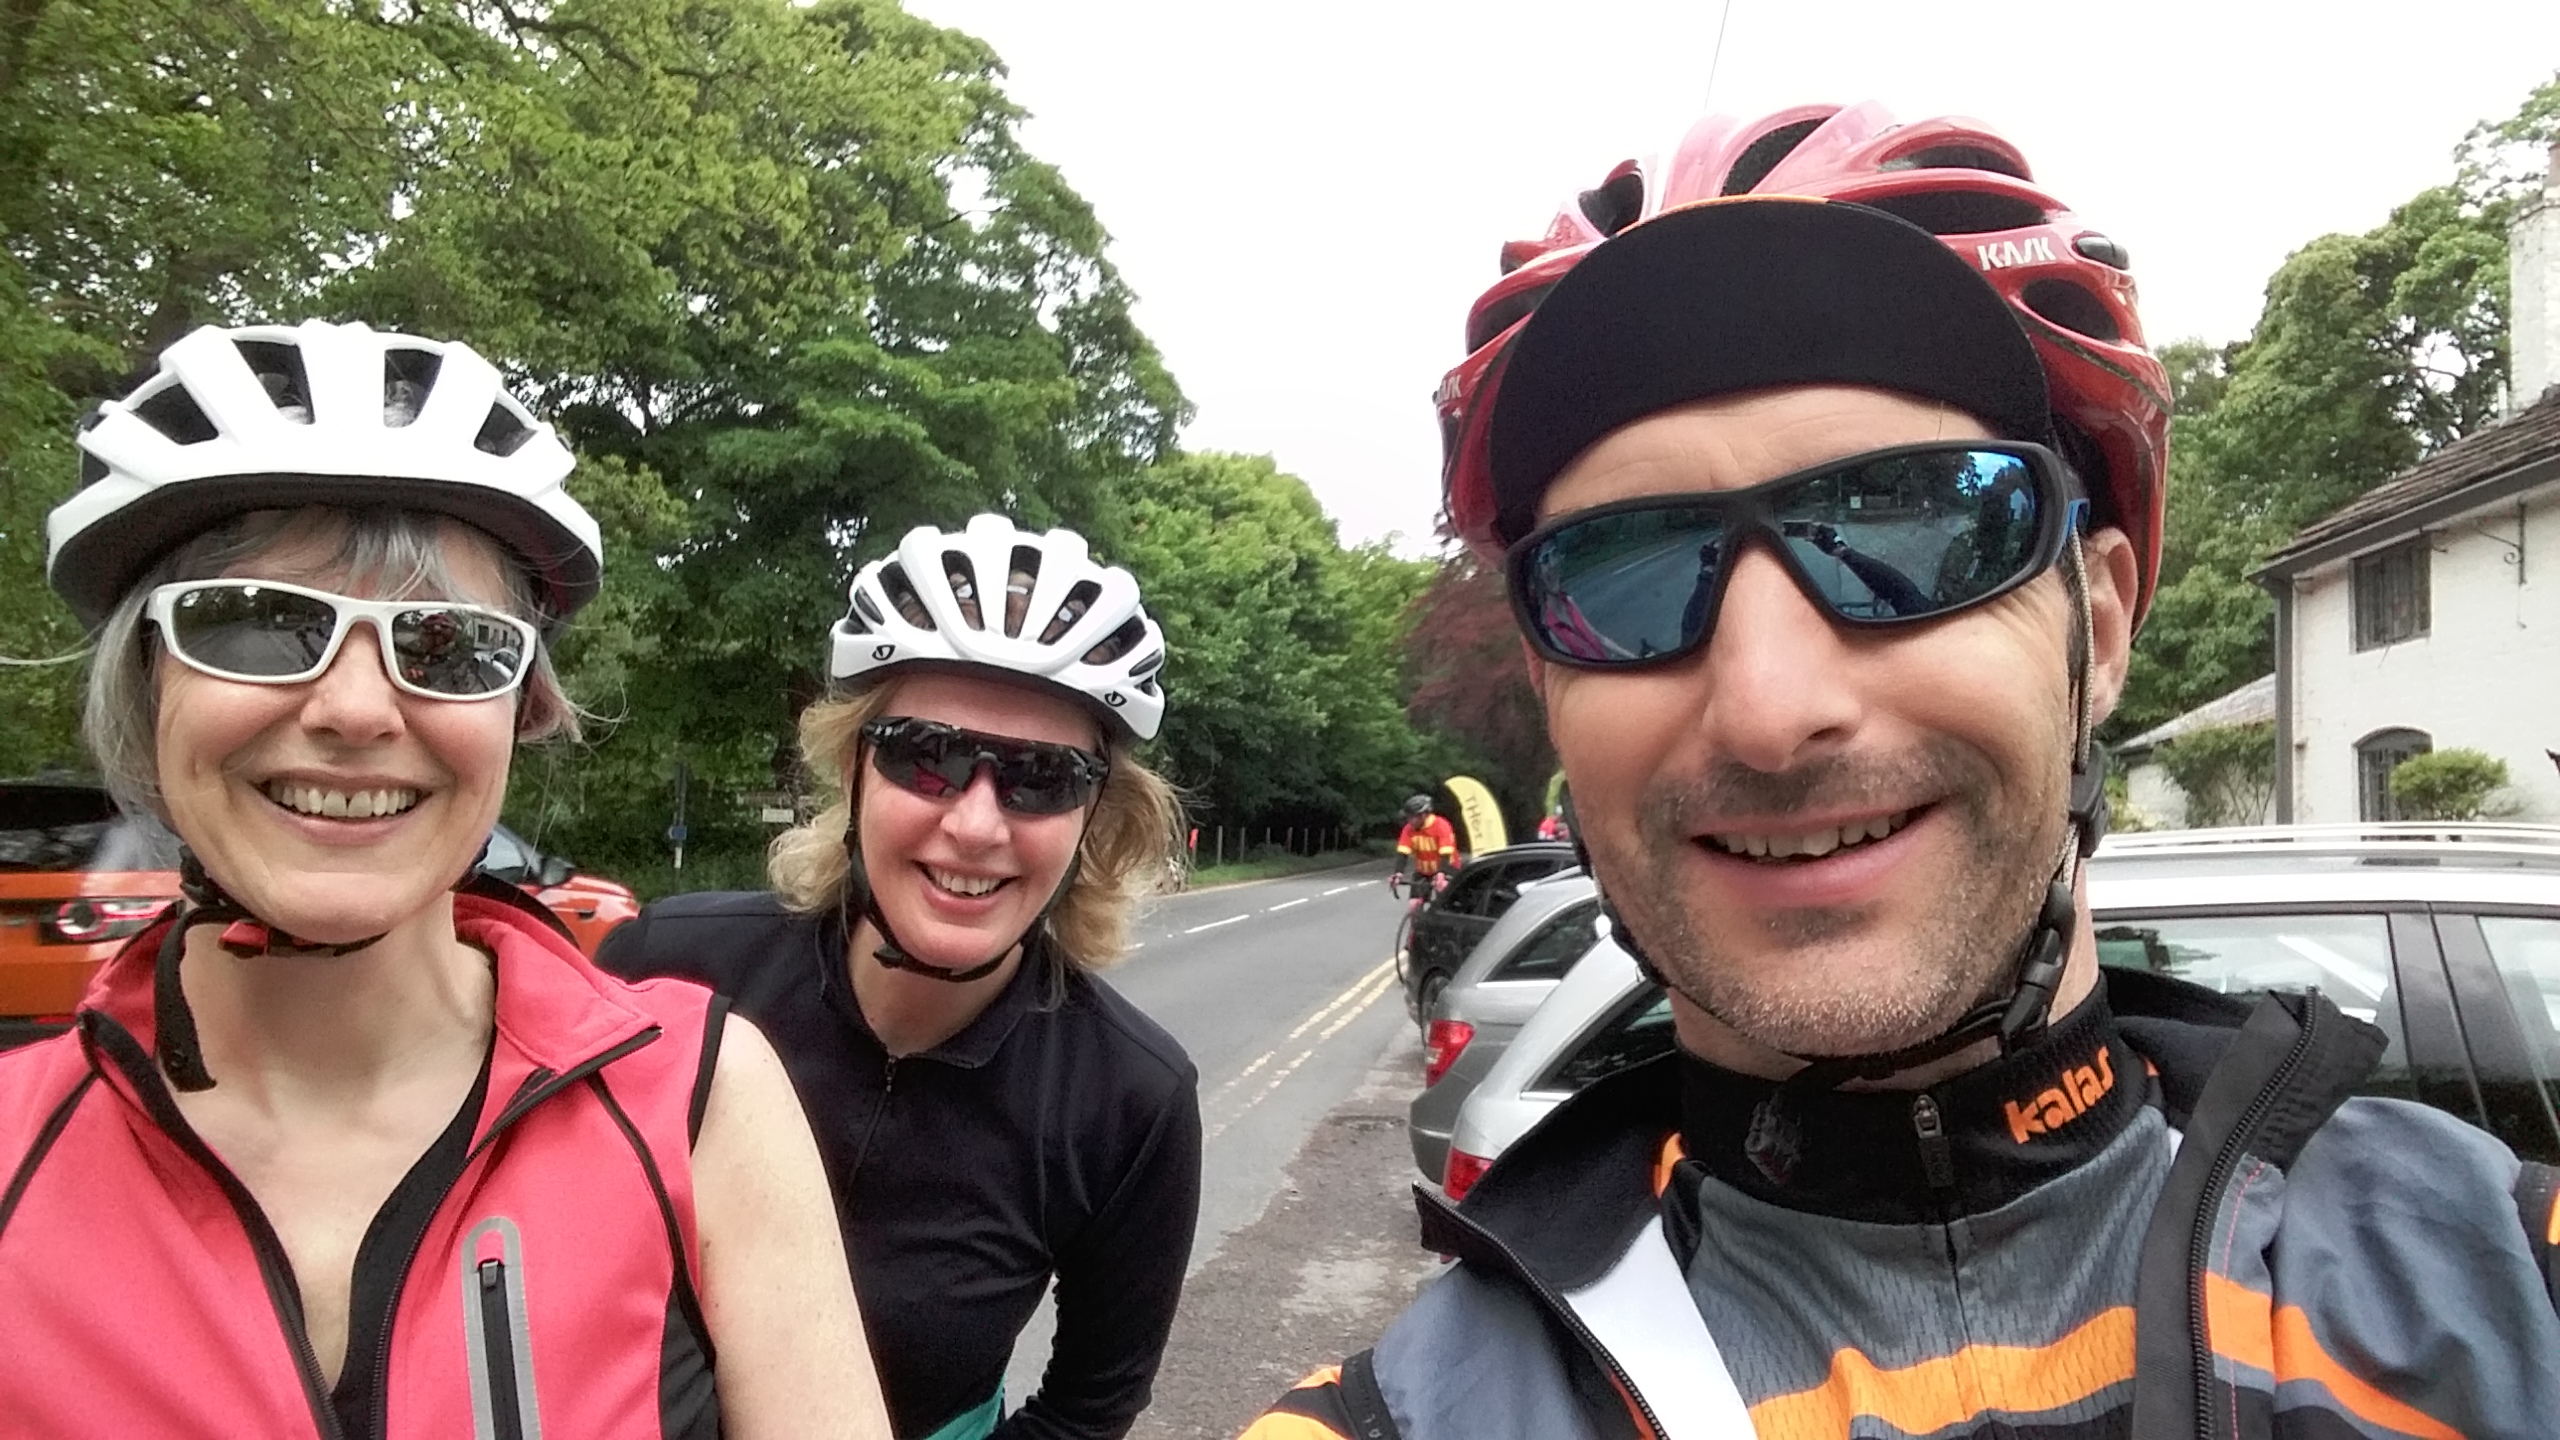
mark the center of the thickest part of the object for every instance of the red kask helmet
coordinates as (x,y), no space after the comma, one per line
(2068,285)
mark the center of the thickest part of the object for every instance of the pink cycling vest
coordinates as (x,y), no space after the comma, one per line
(553,1292)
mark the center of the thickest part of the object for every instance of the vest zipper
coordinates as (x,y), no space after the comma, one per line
(1559,1309)
(1937,1157)
(2200,1239)
(498,1342)
(888,1086)
(536,1087)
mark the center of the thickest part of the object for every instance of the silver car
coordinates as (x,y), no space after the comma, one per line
(1472,1018)
(2447,937)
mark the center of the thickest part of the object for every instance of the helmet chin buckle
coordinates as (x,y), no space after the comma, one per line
(2030,1006)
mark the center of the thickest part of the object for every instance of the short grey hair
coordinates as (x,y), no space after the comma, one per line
(396,552)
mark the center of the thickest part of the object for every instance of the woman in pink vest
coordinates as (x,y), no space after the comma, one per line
(354,1145)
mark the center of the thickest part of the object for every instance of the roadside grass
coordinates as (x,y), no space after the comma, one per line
(1269,864)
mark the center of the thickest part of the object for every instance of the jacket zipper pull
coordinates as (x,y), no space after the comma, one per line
(888,1077)
(1937,1157)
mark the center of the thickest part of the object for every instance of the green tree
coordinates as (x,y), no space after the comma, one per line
(2228,772)
(1283,698)
(2456,784)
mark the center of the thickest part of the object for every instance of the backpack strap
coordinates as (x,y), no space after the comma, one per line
(1366,1403)
(2538,1208)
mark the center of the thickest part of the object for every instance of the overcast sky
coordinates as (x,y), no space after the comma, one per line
(1306,196)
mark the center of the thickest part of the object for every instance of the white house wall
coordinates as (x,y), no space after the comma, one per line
(2486,676)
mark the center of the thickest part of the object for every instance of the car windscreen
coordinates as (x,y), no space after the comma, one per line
(1637,1031)
(1552,948)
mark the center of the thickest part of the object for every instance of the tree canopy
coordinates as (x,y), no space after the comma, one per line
(786,279)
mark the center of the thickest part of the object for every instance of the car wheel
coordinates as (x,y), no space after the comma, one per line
(1426,995)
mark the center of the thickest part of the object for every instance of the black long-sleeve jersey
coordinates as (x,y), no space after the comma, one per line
(1057,1135)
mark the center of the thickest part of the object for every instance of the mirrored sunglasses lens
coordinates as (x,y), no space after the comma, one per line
(458,652)
(251,630)
(1914,535)
(924,764)
(1040,782)
(1624,588)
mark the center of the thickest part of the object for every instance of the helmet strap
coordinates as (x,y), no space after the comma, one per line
(180,1049)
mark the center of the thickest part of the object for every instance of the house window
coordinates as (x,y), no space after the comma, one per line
(2391,595)
(2377,755)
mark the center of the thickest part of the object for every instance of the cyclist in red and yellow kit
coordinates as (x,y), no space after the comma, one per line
(1428,846)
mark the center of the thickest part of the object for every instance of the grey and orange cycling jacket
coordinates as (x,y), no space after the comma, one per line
(2167,1219)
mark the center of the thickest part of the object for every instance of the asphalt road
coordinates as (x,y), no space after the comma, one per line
(1283,991)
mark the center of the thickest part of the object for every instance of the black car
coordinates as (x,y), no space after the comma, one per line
(1443,932)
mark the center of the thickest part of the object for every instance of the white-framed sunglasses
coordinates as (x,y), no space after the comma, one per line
(266,632)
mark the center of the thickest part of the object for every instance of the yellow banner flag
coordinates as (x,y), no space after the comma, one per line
(1483,818)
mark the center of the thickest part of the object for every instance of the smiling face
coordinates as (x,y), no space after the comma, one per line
(961,878)
(340,808)
(1832,843)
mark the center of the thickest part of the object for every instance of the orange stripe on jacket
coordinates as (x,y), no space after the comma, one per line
(2551,1236)
(1935,1394)
(2244,1326)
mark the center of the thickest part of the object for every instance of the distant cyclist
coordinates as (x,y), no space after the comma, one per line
(1427,849)
(353,1144)
(1921,1165)
(993,1114)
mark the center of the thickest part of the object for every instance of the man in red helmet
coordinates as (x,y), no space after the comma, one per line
(1829,548)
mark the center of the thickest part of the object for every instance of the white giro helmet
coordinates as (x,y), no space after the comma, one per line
(272,417)
(1064,620)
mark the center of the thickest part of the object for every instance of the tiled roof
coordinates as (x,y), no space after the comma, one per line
(2530,435)
(2248,705)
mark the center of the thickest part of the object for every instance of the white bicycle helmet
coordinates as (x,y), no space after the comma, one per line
(1063,620)
(269,416)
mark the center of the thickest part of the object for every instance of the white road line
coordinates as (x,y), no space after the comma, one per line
(1285,904)
(1214,924)
(1338,1001)
(1284,1072)
(1338,889)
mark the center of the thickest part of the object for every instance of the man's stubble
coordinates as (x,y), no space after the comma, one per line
(1957,947)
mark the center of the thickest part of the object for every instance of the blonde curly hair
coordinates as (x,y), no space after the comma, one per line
(1132,847)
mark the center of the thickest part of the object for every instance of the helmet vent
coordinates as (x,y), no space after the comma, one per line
(1148,688)
(902,594)
(1614,204)
(1764,154)
(1960,157)
(1022,573)
(92,470)
(503,433)
(853,623)
(1148,666)
(964,587)
(1070,610)
(1118,643)
(1502,314)
(174,413)
(407,376)
(279,368)
(865,610)
(1960,212)
(2072,307)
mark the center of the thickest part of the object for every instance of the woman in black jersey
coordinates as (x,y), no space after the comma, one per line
(992,1115)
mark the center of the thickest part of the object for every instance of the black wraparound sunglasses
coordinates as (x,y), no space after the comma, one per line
(939,761)
(1891,537)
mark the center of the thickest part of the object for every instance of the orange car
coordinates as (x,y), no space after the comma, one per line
(78,878)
